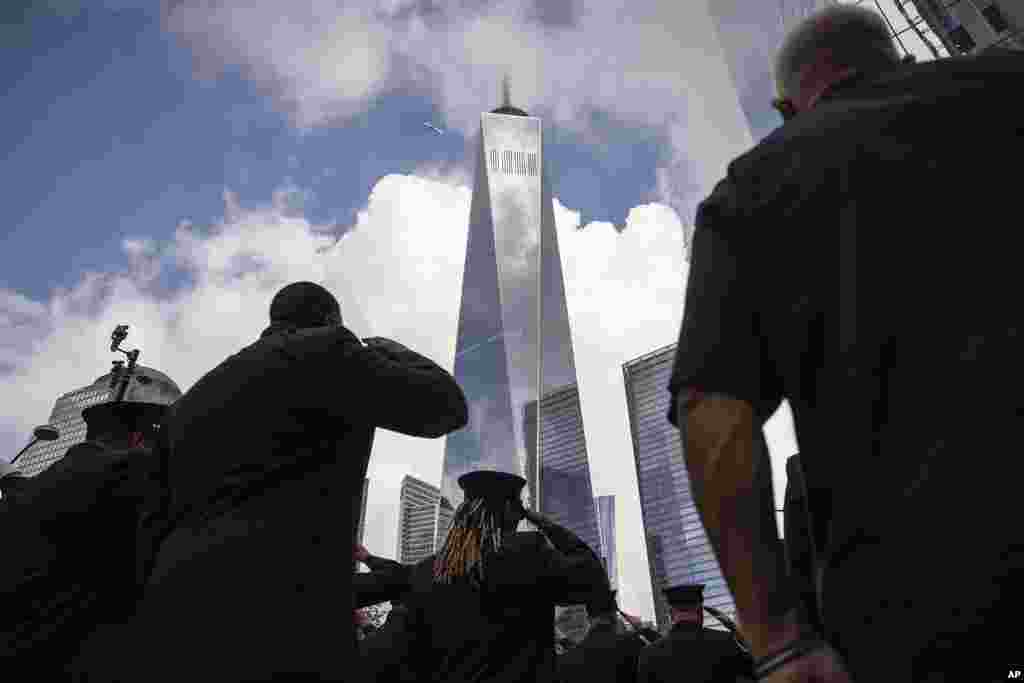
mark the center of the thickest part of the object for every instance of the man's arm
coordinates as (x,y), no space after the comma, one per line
(384,384)
(730,476)
(373,588)
(573,570)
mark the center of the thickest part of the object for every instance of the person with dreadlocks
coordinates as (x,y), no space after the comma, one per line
(483,608)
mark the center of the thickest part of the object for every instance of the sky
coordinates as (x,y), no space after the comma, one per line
(171,166)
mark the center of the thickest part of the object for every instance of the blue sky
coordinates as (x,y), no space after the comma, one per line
(109,134)
(171,168)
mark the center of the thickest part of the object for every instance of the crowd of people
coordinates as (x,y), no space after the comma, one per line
(852,263)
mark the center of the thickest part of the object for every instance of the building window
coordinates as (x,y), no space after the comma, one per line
(513,163)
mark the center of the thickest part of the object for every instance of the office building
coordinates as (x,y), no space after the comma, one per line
(606,525)
(678,549)
(560,479)
(513,344)
(417,519)
(67,415)
(956,27)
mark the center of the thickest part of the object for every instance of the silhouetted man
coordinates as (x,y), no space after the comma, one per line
(80,535)
(608,653)
(691,652)
(817,275)
(268,455)
(483,609)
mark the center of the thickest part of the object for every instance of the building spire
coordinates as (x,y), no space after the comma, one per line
(506,92)
(506,100)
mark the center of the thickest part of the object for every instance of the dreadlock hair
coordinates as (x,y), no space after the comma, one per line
(476,532)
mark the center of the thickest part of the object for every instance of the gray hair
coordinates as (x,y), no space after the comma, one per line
(856,36)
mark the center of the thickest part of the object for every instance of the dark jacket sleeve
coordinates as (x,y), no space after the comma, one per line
(644,670)
(572,572)
(383,565)
(387,385)
(387,580)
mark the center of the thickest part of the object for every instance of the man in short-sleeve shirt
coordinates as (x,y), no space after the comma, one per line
(844,264)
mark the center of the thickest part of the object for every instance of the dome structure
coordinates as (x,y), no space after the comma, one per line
(146,385)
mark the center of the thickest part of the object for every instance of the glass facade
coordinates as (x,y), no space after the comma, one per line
(513,343)
(67,415)
(606,525)
(678,549)
(560,478)
(417,517)
(563,487)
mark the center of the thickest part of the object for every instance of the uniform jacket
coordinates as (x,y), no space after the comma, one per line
(77,550)
(603,656)
(693,654)
(504,632)
(385,654)
(268,455)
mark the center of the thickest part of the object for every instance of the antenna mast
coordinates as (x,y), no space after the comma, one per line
(506,92)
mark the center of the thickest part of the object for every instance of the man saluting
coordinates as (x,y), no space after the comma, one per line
(690,651)
(483,609)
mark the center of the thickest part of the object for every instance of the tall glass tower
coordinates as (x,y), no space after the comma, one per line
(514,343)
(678,548)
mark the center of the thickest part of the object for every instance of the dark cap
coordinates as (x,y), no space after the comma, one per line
(685,595)
(491,484)
(304,304)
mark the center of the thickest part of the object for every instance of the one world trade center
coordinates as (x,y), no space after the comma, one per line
(513,356)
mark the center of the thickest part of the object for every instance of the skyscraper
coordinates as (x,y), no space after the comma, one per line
(417,520)
(561,476)
(678,549)
(606,525)
(560,479)
(514,344)
(361,529)
(67,417)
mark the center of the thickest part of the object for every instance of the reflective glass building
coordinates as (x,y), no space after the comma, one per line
(513,345)
(678,549)
(560,479)
(67,416)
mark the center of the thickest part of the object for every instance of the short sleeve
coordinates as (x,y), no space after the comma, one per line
(721,349)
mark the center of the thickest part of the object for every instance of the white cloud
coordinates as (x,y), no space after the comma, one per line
(645,62)
(398,273)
